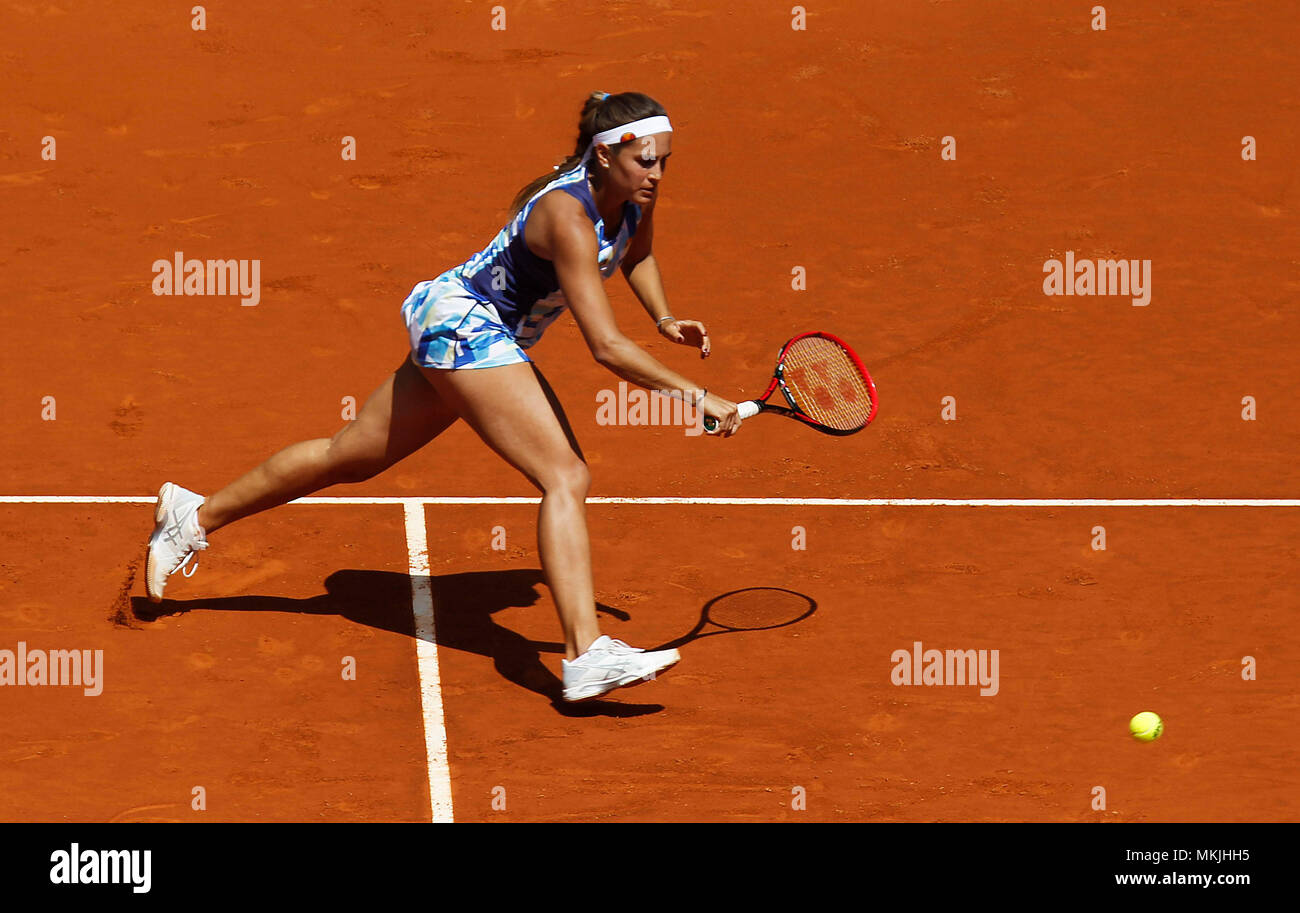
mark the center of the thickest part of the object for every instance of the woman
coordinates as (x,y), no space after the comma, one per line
(469,329)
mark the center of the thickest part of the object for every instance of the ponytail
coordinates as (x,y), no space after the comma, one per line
(600,111)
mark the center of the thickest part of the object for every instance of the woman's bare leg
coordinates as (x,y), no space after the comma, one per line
(400,417)
(514,412)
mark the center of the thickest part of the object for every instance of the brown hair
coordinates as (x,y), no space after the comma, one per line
(599,112)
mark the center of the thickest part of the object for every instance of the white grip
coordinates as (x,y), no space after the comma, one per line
(747,409)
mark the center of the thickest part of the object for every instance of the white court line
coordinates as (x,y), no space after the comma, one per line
(742,502)
(435,726)
(426,654)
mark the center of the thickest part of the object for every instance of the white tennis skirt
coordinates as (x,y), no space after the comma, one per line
(450,328)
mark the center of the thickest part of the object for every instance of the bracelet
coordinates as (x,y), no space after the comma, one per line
(660,321)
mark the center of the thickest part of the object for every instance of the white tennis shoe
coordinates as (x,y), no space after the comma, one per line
(177,537)
(610,664)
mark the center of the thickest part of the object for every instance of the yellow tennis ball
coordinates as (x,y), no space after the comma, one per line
(1146,726)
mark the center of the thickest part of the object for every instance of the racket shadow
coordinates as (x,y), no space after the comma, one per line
(748,610)
(464,604)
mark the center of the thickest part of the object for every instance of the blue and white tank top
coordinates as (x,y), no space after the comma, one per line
(522,286)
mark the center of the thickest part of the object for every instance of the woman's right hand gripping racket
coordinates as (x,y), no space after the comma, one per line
(823,381)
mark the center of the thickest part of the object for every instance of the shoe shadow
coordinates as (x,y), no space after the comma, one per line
(463,608)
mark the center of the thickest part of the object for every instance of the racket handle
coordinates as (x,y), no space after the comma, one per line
(747,409)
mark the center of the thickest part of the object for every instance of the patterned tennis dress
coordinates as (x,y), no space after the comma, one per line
(490,309)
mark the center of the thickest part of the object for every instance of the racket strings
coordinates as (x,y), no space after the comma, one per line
(827,384)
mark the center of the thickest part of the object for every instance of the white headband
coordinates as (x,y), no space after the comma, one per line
(628,132)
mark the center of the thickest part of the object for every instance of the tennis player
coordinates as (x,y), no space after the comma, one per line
(470,329)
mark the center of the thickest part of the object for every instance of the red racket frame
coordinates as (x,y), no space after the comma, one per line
(794,411)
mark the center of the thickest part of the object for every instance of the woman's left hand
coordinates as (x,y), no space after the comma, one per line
(687,333)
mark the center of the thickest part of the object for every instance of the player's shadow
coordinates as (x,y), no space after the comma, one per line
(463,608)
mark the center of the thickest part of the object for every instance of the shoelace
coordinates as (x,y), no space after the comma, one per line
(617,646)
(175,538)
(186,560)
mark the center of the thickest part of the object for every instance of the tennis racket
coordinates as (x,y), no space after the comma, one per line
(754,608)
(823,381)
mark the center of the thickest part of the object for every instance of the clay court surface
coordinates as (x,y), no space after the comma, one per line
(816,148)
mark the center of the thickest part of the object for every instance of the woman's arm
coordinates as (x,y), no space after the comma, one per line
(642,274)
(572,245)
